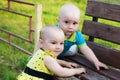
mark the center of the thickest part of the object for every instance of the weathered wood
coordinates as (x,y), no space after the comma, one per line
(105,54)
(38,22)
(102,31)
(103,10)
(112,74)
(90,74)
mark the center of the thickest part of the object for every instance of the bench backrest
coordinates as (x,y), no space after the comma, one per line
(107,32)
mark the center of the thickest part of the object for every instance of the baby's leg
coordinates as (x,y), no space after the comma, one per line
(72,50)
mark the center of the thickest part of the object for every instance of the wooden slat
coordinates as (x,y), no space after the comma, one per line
(106,55)
(111,74)
(90,74)
(103,10)
(102,31)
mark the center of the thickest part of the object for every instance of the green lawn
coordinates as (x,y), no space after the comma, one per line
(13,61)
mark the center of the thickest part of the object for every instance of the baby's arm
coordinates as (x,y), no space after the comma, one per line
(89,54)
(67,64)
(60,71)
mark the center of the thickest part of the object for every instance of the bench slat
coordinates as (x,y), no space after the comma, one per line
(89,75)
(102,31)
(111,73)
(103,10)
(106,55)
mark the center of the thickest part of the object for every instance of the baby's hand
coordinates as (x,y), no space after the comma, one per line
(100,64)
(80,70)
(72,65)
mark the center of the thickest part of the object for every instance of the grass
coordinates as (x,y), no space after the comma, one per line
(13,61)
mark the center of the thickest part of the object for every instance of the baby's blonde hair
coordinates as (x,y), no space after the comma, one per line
(48,30)
(69,8)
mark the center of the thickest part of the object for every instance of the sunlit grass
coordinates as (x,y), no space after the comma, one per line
(13,61)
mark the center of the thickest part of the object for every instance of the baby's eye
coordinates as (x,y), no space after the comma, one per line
(61,43)
(53,42)
(66,22)
(75,23)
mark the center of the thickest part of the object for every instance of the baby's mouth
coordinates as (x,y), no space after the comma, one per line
(70,32)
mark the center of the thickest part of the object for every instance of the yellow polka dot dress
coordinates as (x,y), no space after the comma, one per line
(35,69)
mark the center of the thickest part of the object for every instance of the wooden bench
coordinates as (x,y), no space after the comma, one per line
(107,32)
